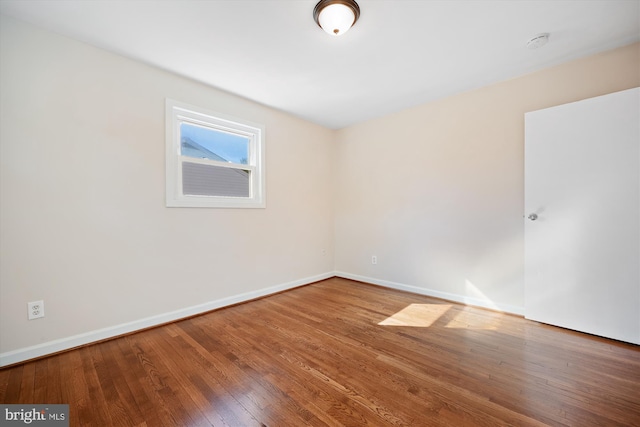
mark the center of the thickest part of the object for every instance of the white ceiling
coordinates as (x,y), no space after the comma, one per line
(399,54)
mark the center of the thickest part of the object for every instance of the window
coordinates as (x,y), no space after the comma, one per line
(213,160)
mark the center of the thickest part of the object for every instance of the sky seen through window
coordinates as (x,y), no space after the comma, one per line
(227,146)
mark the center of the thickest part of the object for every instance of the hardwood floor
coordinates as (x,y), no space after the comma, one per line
(340,352)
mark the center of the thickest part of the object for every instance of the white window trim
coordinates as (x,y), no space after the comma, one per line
(178,112)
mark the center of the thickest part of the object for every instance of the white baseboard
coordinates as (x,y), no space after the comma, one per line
(50,347)
(506,308)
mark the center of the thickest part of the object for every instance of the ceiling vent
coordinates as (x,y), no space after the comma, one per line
(538,41)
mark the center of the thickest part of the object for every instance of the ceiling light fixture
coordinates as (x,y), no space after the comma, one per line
(336,16)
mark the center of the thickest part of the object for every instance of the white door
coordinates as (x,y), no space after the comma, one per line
(582,215)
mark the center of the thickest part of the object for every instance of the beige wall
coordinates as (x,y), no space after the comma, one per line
(436,192)
(83,220)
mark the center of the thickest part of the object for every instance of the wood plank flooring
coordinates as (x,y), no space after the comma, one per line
(341,353)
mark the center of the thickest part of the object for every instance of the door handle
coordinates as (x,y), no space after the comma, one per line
(533,216)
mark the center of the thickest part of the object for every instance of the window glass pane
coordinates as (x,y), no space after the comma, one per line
(206,143)
(207,180)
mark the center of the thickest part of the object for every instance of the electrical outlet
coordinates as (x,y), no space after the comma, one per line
(35,309)
(323,252)
(374,259)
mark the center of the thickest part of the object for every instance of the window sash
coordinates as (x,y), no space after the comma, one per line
(213,181)
(206,162)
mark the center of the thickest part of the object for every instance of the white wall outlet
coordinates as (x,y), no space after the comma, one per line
(35,309)
(323,252)
(374,259)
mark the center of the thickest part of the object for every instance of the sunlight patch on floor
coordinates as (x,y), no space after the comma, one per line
(425,315)
(417,315)
(473,321)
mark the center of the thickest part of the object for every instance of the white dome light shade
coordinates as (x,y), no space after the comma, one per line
(336,19)
(336,16)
